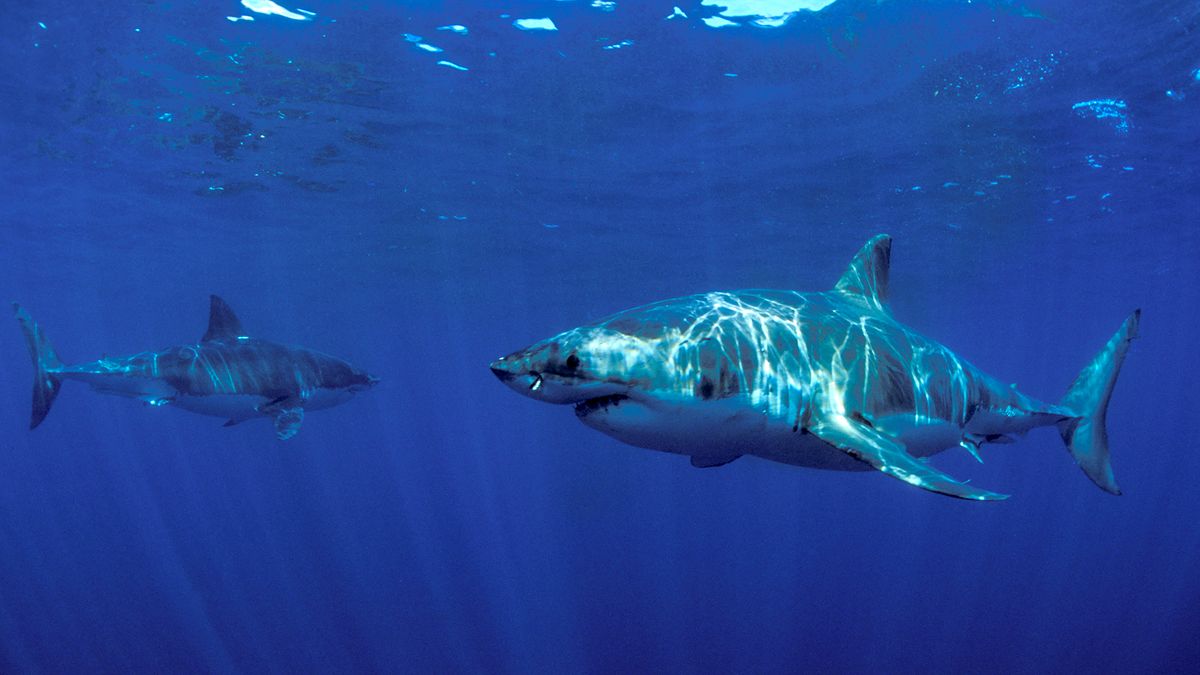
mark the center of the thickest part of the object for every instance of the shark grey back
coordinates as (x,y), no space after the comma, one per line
(227,374)
(826,380)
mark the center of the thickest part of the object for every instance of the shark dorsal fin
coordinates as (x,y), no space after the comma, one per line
(223,324)
(867,276)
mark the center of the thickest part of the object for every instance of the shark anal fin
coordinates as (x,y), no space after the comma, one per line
(888,455)
(710,461)
(287,422)
(230,422)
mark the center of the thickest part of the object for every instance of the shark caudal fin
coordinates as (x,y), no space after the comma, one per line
(45,366)
(1084,434)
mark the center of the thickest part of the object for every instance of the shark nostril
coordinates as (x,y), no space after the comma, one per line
(504,375)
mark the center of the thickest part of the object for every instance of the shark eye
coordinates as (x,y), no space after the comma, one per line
(572,362)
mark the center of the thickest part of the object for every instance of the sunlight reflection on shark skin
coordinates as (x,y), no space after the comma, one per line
(825,380)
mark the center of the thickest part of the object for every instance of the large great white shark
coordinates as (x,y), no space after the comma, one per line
(226,374)
(828,380)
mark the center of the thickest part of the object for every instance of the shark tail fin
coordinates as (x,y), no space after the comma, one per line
(45,366)
(1084,432)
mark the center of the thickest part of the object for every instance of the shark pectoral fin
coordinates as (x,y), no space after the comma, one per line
(287,422)
(288,411)
(710,461)
(858,439)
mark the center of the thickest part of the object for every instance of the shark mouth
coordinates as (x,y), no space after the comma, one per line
(591,405)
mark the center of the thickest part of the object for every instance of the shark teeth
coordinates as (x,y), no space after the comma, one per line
(583,408)
(537,382)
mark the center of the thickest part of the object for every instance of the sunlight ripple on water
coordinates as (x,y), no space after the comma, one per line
(271,7)
(1106,108)
(535,24)
(761,13)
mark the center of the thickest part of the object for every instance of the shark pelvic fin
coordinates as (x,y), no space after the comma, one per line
(971,444)
(867,276)
(857,438)
(710,461)
(223,324)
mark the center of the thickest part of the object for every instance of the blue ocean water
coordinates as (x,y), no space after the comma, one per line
(420,188)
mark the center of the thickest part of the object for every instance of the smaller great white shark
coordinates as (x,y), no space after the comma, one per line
(827,380)
(227,374)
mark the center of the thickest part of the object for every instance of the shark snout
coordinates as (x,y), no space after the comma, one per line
(509,369)
(500,370)
(517,375)
(550,384)
(366,383)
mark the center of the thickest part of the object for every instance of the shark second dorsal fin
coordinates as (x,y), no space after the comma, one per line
(223,324)
(867,276)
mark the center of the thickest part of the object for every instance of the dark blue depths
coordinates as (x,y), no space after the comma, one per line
(1035,163)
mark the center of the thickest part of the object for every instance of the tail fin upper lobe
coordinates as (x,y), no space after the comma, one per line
(1084,434)
(45,366)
